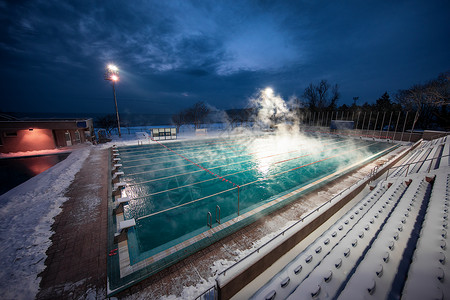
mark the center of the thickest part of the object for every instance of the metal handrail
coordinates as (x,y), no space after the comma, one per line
(210,293)
(297,222)
(218,220)
(209,219)
(417,162)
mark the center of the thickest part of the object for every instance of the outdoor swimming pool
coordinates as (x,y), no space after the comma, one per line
(180,190)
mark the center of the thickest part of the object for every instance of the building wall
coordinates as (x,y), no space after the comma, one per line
(17,136)
(60,137)
(26,140)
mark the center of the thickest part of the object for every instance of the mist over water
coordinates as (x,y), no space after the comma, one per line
(273,113)
(277,154)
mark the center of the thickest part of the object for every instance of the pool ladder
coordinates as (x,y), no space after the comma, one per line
(209,217)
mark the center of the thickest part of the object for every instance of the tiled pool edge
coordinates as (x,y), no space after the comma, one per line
(122,275)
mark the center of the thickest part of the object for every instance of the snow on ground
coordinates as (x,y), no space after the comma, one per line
(26,217)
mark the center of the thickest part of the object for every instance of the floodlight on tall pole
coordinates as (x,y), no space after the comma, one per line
(112,74)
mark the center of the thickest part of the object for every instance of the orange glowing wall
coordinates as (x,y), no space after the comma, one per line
(29,140)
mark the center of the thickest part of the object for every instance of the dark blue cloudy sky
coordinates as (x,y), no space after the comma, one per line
(172,54)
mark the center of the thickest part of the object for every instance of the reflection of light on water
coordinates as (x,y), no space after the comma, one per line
(39,166)
(263,168)
(269,151)
(274,149)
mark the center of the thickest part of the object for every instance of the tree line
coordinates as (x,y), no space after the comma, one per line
(426,103)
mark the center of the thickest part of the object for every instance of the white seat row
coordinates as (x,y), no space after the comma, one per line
(445,160)
(429,156)
(299,268)
(329,278)
(401,170)
(384,261)
(358,223)
(429,273)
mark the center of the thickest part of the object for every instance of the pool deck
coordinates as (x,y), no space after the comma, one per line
(76,260)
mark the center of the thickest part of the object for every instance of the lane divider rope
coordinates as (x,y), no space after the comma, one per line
(230,174)
(234,163)
(199,166)
(245,184)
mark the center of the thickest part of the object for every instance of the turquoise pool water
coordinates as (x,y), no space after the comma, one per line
(173,187)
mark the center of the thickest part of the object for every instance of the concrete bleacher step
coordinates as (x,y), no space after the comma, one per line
(429,273)
(400,171)
(344,257)
(445,160)
(350,232)
(383,265)
(422,157)
(427,164)
(428,156)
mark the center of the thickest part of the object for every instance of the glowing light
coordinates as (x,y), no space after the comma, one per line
(114,77)
(38,139)
(113,68)
(268,92)
(263,169)
(40,166)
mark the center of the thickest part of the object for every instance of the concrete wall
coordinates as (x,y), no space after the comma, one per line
(17,136)
(431,134)
(60,138)
(397,136)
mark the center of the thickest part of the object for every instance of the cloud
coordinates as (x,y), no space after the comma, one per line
(150,35)
(220,50)
(259,46)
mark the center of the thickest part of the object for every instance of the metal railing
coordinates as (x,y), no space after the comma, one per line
(414,163)
(209,219)
(218,219)
(209,294)
(365,178)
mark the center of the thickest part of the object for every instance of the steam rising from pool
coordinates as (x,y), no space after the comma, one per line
(236,173)
(272,113)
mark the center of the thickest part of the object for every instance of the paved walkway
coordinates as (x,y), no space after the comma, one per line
(76,260)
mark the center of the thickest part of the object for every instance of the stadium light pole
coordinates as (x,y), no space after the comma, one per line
(112,74)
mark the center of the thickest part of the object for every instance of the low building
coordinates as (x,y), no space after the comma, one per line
(43,134)
(342,125)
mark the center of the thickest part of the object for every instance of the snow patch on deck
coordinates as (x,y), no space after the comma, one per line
(26,217)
